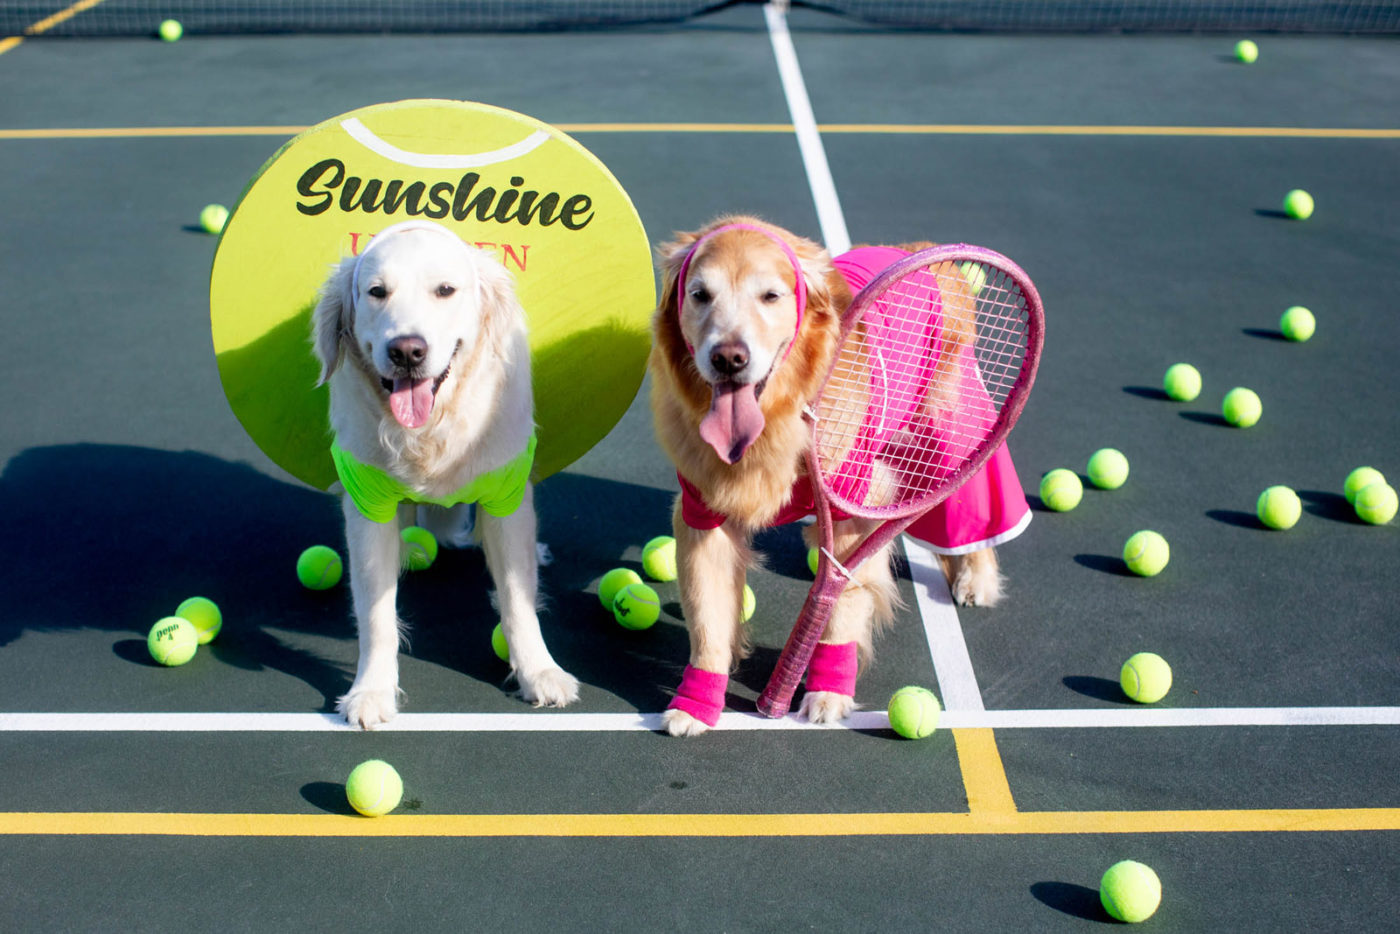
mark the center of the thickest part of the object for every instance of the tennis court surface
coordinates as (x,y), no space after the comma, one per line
(1136,176)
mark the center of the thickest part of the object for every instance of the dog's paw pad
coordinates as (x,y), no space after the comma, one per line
(551,687)
(680,723)
(827,706)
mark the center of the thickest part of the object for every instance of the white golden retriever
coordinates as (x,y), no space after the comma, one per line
(424,345)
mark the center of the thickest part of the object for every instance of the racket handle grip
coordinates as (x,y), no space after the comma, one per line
(776,699)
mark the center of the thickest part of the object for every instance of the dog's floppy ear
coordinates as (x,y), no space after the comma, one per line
(330,322)
(670,258)
(826,289)
(495,296)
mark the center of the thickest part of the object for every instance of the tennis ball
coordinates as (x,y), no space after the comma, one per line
(421,550)
(1146,553)
(1108,469)
(213,218)
(636,606)
(1376,504)
(813,558)
(204,615)
(1297,323)
(1146,678)
(319,567)
(750,603)
(914,712)
(1061,490)
(498,643)
(1241,407)
(659,558)
(1246,51)
(374,788)
(1359,479)
(1298,204)
(613,581)
(1279,507)
(170,30)
(1130,891)
(1182,382)
(172,641)
(975,275)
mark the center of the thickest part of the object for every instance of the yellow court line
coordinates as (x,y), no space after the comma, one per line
(1244,132)
(700,825)
(44,25)
(984,777)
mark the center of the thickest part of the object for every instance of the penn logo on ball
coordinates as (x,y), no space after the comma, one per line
(172,641)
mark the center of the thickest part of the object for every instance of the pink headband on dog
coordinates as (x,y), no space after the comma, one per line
(800,289)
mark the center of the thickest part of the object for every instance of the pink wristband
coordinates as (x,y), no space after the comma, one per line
(701,695)
(833,668)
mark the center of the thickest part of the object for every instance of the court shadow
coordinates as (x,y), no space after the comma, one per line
(1147,392)
(1109,564)
(1235,517)
(1206,418)
(1329,505)
(1077,900)
(328,797)
(1273,213)
(1102,689)
(1264,334)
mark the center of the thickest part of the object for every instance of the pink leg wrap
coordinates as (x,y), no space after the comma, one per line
(701,695)
(833,668)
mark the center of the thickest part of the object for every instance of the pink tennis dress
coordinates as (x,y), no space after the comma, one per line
(988,509)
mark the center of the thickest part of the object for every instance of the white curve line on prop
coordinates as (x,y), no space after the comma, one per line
(424,160)
(809,139)
(1092,718)
(957,681)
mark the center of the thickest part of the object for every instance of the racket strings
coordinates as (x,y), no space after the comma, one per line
(920,383)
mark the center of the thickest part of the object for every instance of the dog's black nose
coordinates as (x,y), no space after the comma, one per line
(408,352)
(730,357)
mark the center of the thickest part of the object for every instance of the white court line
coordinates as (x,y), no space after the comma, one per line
(809,140)
(957,681)
(550,722)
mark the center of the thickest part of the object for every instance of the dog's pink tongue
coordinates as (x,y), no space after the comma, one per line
(411,401)
(735,421)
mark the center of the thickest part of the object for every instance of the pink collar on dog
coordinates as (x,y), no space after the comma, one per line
(800,288)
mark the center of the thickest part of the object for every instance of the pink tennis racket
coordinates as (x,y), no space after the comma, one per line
(938,353)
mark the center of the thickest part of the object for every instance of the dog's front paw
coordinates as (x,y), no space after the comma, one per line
(975,587)
(548,687)
(368,708)
(827,706)
(680,723)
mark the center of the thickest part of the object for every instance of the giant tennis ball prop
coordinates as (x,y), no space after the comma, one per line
(544,206)
(1130,891)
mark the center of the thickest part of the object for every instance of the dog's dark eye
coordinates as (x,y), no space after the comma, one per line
(445,290)
(770,297)
(701,295)
(378,291)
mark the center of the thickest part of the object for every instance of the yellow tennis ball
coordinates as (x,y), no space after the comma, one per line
(319,567)
(1246,51)
(1298,204)
(975,275)
(170,30)
(1376,504)
(213,218)
(204,615)
(172,641)
(374,788)
(1108,469)
(1297,323)
(636,606)
(1061,490)
(1279,507)
(1241,407)
(421,548)
(613,581)
(1146,677)
(1359,479)
(1182,382)
(659,558)
(498,643)
(1130,891)
(813,558)
(1146,553)
(914,712)
(750,603)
